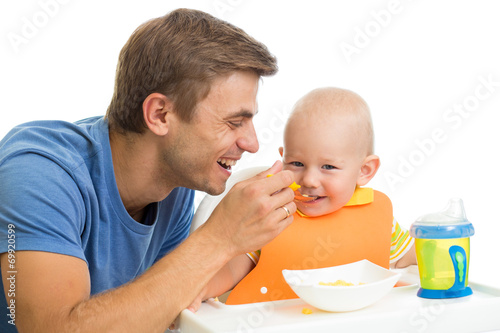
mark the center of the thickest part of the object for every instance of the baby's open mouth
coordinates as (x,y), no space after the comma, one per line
(305,197)
(226,163)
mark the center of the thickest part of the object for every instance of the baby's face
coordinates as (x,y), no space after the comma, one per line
(326,162)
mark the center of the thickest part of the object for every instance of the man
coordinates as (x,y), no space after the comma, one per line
(95,215)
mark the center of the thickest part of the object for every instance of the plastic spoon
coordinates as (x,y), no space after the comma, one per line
(304,197)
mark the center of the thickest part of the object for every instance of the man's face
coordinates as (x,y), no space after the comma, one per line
(201,152)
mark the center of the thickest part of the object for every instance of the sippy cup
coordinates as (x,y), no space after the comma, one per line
(442,246)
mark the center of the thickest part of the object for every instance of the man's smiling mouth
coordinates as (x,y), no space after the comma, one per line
(226,163)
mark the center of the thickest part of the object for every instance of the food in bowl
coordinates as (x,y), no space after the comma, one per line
(339,283)
(377,282)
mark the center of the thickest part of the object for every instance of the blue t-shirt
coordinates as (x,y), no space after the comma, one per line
(58,194)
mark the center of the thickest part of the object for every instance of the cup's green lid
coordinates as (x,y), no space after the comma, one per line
(448,223)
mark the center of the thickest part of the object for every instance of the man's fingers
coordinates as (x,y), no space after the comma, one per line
(286,210)
(277,167)
(279,181)
(269,185)
(284,217)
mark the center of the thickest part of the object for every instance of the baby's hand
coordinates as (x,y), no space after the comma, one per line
(195,305)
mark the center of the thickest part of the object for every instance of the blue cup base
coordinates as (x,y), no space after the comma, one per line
(436,294)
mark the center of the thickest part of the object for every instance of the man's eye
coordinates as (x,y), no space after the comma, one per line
(236,123)
(329,167)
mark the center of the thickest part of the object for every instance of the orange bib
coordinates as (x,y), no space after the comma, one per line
(350,234)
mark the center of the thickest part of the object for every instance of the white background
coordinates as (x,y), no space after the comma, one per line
(414,62)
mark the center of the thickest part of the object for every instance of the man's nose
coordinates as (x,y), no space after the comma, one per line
(248,141)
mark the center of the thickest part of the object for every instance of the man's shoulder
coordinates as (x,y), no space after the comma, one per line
(61,141)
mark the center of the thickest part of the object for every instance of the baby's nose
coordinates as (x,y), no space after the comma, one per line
(309,179)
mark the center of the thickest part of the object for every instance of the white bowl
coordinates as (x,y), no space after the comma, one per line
(376,283)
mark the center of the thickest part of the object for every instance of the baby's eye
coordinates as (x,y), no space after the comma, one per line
(329,167)
(297,164)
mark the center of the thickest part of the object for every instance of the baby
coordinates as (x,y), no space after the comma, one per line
(328,144)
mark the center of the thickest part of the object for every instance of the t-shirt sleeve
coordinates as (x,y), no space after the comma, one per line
(401,242)
(42,203)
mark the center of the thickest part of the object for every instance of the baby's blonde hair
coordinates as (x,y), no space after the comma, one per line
(324,103)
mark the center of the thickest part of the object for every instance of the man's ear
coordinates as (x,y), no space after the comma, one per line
(281,151)
(368,169)
(155,109)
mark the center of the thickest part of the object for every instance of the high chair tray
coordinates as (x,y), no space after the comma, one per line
(400,311)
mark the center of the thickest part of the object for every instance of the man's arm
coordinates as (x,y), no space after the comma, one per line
(53,291)
(225,279)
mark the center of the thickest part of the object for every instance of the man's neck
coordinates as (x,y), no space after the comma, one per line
(134,165)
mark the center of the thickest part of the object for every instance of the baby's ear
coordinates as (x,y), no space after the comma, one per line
(281,151)
(368,169)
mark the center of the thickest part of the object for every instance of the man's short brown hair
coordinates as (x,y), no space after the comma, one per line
(179,55)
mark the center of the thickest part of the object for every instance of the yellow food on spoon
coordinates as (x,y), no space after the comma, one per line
(294,185)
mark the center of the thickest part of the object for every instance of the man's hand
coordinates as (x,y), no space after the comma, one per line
(252,212)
